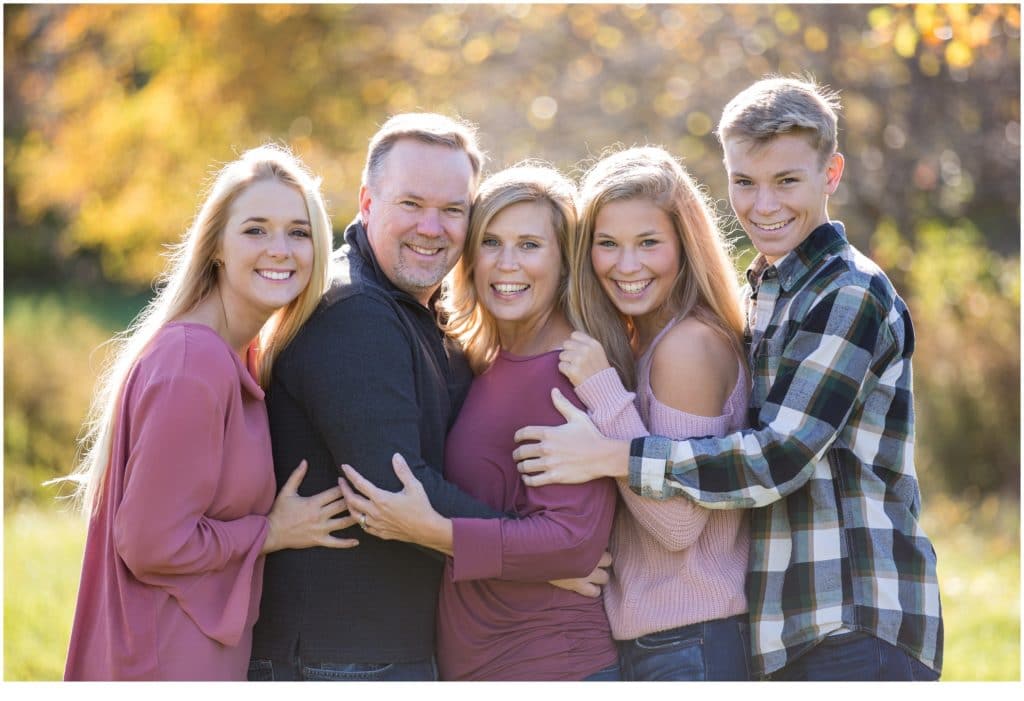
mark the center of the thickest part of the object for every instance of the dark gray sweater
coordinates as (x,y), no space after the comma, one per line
(368,375)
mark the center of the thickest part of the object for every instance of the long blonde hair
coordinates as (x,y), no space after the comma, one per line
(468,321)
(188,278)
(706,285)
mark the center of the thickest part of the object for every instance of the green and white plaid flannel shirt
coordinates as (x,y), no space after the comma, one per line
(828,465)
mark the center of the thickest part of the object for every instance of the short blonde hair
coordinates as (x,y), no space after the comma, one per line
(468,321)
(776,106)
(706,285)
(190,276)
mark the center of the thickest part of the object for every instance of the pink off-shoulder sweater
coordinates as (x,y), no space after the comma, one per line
(675,563)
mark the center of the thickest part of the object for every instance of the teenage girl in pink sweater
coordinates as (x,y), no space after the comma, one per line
(654,287)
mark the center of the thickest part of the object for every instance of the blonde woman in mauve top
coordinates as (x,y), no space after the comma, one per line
(499,618)
(178,479)
(655,290)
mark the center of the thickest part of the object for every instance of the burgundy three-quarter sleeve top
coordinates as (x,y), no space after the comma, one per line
(498,617)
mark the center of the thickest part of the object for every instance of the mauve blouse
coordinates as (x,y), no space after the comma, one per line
(172,571)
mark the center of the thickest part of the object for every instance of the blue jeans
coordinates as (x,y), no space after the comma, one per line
(717,650)
(608,674)
(854,657)
(269,671)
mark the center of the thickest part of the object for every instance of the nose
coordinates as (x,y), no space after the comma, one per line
(508,259)
(278,245)
(430,222)
(629,260)
(765,201)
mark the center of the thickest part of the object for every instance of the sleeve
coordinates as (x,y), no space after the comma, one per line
(820,377)
(562,535)
(674,523)
(357,385)
(171,478)
(161,530)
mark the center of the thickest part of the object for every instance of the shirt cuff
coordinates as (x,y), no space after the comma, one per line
(476,548)
(603,387)
(648,463)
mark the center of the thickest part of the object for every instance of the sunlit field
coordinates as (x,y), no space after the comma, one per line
(979,569)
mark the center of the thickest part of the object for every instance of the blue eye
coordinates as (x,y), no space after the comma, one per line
(606,244)
(530,245)
(253,231)
(301,233)
(489,243)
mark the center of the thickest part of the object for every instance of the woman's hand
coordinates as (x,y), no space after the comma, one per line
(591,585)
(304,522)
(581,358)
(405,515)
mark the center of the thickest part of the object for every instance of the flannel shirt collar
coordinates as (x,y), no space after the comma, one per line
(796,265)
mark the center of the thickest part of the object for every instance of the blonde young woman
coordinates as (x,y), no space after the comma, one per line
(178,477)
(654,287)
(499,618)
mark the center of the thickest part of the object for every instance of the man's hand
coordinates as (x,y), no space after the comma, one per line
(572,453)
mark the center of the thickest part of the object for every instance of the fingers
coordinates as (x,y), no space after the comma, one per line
(340,524)
(589,590)
(356,503)
(327,497)
(360,483)
(540,480)
(599,577)
(335,542)
(529,433)
(295,479)
(564,406)
(606,560)
(403,471)
(338,506)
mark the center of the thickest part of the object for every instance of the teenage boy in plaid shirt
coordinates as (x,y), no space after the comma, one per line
(842,582)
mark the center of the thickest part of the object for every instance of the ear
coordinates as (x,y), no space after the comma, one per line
(833,172)
(365,200)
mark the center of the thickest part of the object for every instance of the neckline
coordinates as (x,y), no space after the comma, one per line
(512,357)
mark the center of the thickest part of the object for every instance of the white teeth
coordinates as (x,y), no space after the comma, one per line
(633,288)
(275,275)
(509,289)
(424,251)
(772,227)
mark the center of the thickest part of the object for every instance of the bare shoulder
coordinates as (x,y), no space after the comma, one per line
(694,369)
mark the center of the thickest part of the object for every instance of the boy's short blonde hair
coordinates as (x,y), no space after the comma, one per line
(775,106)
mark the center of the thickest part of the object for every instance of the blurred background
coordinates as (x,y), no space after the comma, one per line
(116,116)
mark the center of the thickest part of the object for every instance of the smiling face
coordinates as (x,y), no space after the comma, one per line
(636,256)
(266,250)
(779,190)
(416,212)
(518,269)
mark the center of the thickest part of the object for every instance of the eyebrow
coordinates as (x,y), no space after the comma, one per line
(649,232)
(781,173)
(264,220)
(420,198)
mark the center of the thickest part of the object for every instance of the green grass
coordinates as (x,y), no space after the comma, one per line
(42,563)
(979,572)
